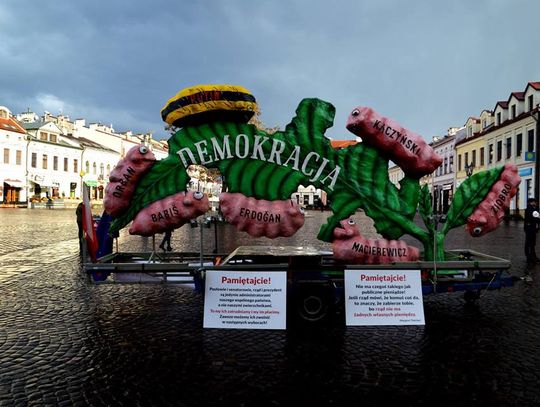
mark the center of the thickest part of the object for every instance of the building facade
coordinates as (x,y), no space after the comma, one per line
(443,177)
(49,157)
(14,149)
(514,139)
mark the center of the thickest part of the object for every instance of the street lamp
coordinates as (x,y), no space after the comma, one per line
(82,174)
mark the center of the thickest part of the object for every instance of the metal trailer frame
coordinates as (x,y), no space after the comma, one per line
(315,280)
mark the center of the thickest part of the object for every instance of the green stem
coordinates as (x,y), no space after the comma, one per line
(434,246)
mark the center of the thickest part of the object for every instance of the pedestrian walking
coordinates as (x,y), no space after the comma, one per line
(532,218)
(166,240)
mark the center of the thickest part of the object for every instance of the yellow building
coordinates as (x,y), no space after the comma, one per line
(470,151)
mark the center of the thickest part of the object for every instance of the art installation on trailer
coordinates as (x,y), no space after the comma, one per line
(261,170)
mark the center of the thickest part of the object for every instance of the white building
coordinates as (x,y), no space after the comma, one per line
(513,138)
(52,157)
(443,177)
(62,155)
(53,163)
(13,146)
(395,174)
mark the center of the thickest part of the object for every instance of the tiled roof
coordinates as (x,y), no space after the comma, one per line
(517,95)
(502,103)
(88,143)
(535,85)
(337,144)
(11,125)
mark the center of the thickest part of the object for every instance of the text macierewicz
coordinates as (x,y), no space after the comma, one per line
(311,164)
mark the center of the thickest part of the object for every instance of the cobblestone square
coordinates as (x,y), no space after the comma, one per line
(65,342)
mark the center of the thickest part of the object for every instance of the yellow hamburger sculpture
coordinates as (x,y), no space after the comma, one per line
(207,103)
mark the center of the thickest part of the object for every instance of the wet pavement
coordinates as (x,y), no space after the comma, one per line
(64,342)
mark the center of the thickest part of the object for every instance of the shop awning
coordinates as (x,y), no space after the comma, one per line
(43,181)
(91,183)
(15,183)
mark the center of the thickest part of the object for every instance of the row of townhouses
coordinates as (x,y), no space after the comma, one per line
(507,134)
(47,160)
(50,158)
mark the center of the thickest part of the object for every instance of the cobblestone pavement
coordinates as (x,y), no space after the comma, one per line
(64,342)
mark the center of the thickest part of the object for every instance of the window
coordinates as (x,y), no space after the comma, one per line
(482,156)
(102,170)
(6,155)
(450,167)
(513,111)
(530,140)
(66,164)
(466,159)
(499,150)
(530,102)
(44,161)
(18,157)
(490,153)
(108,170)
(459,162)
(87,169)
(473,158)
(34,160)
(519,144)
(498,118)
(55,163)
(445,165)
(43,136)
(528,187)
(94,168)
(53,138)
(508,148)
(75,165)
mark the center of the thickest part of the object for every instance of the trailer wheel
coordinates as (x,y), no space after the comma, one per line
(313,302)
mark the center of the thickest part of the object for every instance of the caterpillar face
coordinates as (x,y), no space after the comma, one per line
(477,231)
(143,149)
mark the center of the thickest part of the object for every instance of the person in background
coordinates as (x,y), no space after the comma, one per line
(167,240)
(79,215)
(532,217)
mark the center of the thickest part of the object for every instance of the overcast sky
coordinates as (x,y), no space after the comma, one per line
(427,64)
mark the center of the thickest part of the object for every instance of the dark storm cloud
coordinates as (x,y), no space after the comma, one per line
(428,64)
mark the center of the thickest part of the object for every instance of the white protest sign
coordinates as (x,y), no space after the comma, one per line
(245,299)
(383,297)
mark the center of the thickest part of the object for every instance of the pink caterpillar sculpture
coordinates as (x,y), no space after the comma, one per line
(124,177)
(407,149)
(349,246)
(490,212)
(260,217)
(169,213)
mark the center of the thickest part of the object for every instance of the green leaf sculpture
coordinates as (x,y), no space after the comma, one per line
(425,208)
(467,197)
(273,166)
